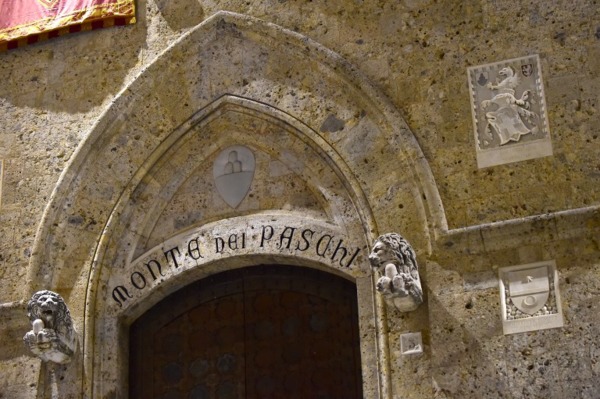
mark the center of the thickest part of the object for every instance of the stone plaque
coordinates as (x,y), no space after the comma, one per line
(411,343)
(510,119)
(233,171)
(529,297)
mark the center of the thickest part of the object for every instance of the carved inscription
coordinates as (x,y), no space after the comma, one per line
(198,249)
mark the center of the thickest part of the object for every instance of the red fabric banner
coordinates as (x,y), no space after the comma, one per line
(28,21)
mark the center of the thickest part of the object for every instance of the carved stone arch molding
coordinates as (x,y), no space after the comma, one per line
(303,111)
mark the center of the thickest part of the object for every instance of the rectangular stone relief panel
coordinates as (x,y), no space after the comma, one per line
(530,299)
(510,119)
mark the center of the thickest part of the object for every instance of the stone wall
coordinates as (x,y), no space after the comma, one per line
(81,115)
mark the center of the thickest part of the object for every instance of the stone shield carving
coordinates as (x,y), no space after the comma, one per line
(52,337)
(530,297)
(233,172)
(529,289)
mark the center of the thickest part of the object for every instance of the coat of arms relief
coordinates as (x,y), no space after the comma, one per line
(530,298)
(509,113)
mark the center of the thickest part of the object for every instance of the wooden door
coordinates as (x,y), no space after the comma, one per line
(260,332)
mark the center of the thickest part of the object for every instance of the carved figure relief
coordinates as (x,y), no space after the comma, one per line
(507,120)
(508,106)
(233,172)
(52,337)
(399,282)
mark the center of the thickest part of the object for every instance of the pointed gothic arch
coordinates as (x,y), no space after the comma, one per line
(114,297)
(240,72)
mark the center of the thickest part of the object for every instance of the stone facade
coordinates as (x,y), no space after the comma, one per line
(359,119)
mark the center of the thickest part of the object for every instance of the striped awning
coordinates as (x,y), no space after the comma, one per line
(29,21)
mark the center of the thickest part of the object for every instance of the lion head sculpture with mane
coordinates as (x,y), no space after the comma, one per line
(52,337)
(396,262)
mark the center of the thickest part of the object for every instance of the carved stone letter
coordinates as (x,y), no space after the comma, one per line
(399,282)
(52,337)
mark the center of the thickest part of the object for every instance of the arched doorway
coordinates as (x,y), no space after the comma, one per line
(259,332)
(139,190)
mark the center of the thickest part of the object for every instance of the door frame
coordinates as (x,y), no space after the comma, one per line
(107,370)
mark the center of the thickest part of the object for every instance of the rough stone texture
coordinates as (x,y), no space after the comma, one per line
(93,138)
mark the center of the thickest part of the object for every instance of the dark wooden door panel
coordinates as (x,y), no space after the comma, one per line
(261,332)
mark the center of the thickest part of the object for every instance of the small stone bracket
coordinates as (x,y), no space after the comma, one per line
(530,299)
(52,337)
(411,344)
